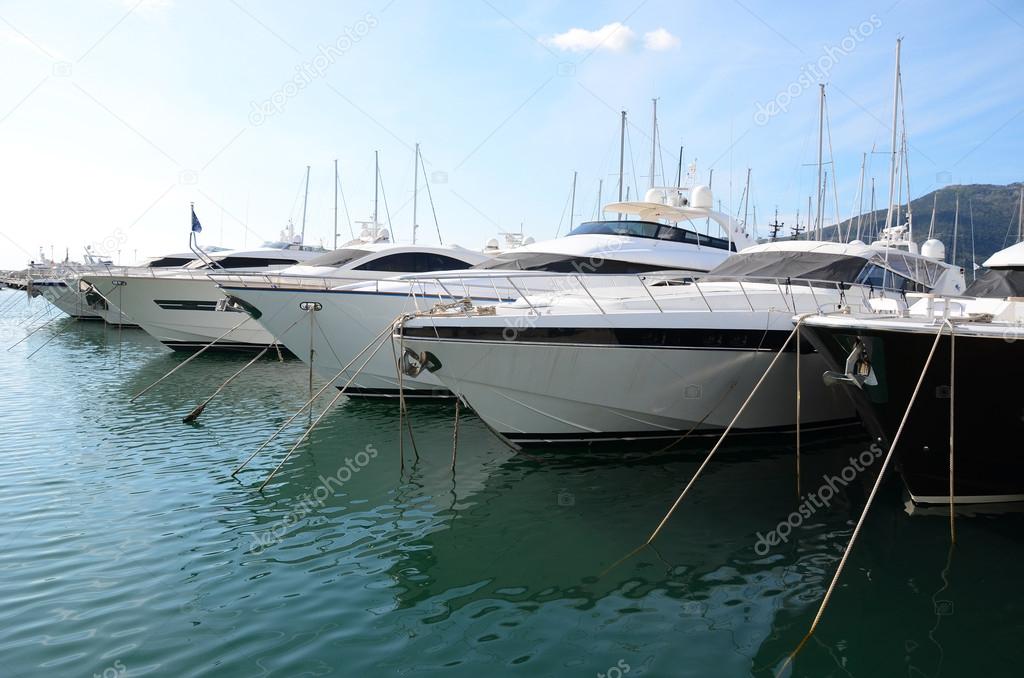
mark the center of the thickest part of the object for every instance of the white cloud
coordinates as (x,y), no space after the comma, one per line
(661,40)
(614,37)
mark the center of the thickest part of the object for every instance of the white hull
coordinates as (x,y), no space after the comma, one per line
(67,299)
(347,322)
(540,391)
(178,312)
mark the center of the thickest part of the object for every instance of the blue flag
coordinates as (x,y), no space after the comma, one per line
(196,226)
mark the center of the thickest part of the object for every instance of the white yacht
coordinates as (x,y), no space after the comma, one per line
(664,356)
(58,284)
(174,305)
(673,232)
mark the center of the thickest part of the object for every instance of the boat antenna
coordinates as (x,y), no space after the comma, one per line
(956,227)
(974,258)
(931,225)
(305,200)
(679,169)
(775,226)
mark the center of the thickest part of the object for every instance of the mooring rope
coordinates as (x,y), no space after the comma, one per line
(327,409)
(309,402)
(190,358)
(867,507)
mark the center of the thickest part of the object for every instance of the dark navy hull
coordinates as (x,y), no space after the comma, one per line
(989,409)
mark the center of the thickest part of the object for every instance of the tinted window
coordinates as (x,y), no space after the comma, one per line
(168,262)
(414,262)
(251,262)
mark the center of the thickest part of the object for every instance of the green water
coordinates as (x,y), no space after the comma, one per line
(127,549)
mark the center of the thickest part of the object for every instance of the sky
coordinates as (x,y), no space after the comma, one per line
(115,115)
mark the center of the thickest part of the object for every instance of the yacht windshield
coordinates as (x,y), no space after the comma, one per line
(336,257)
(563,263)
(651,230)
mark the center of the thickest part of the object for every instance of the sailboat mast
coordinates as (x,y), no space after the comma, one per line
(415,189)
(895,111)
(746,199)
(572,199)
(860,197)
(810,226)
(622,151)
(654,139)
(305,200)
(335,203)
(376,187)
(820,214)
(1020,216)
(872,234)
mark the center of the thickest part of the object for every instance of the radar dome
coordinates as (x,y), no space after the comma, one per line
(529,240)
(934,249)
(492,244)
(701,198)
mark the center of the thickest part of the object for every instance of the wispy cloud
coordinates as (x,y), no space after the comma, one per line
(614,37)
(660,40)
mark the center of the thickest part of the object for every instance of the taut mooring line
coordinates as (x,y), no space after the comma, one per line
(316,421)
(725,433)
(721,439)
(198,410)
(867,506)
(190,358)
(315,396)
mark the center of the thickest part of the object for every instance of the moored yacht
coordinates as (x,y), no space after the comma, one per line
(663,357)
(667,236)
(878,359)
(174,305)
(58,284)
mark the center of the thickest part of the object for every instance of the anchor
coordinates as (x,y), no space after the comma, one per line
(858,369)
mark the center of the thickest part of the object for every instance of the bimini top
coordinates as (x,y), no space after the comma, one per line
(852,263)
(1004,276)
